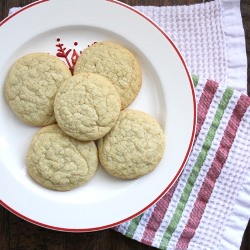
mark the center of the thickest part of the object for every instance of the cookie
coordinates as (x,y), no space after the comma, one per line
(57,161)
(115,62)
(31,85)
(86,106)
(133,147)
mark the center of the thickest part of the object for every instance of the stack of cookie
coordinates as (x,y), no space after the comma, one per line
(84,117)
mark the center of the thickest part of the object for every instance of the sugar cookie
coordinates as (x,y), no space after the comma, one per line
(86,106)
(57,161)
(115,62)
(133,147)
(31,85)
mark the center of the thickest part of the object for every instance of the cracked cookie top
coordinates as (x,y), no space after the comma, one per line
(86,106)
(133,147)
(115,62)
(31,85)
(60,162)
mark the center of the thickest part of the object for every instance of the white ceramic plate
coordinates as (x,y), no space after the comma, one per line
(167,94)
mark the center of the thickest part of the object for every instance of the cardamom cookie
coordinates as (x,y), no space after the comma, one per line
(31,85)
(57,161)
(115,62)
(133,147)
(86,106)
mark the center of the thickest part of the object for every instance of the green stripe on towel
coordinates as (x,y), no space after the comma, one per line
(196,169)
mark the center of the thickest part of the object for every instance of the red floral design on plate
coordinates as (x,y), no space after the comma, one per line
(69,55)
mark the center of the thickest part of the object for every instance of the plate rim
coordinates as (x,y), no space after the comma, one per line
(188,151)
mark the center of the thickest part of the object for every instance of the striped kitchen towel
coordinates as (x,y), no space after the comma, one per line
(194,212)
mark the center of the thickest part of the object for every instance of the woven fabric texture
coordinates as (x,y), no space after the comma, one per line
(198,34)
(194,212)
(210,37)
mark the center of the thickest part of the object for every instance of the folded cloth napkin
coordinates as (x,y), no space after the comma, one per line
(207,207)
(210,37)
(194,213)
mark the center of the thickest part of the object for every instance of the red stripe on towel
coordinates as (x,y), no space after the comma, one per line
(157,216)
(204,103)
(213,173)
(160,209)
